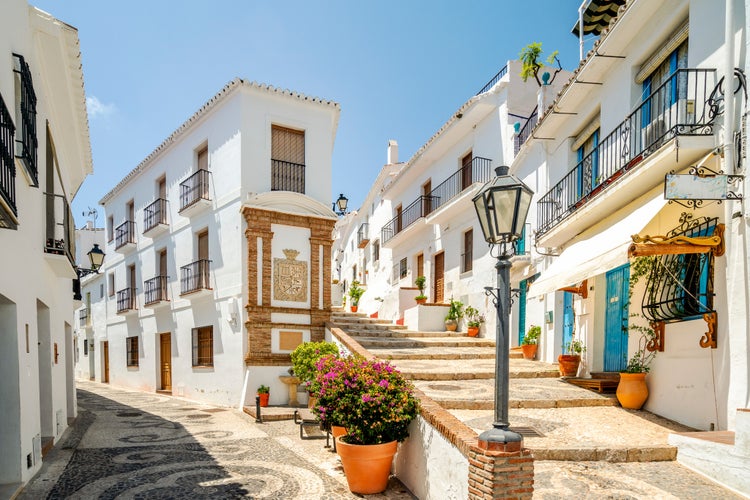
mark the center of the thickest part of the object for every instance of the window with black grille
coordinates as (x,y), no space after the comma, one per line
(287,159)
(203,346)
(132,350)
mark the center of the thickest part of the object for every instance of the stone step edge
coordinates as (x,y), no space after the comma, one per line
(472,375)
(458,404)
(663,453)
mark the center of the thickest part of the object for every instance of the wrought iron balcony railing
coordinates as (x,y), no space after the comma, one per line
(494,80)
(155,214)
(155,290)
(525,131)
(26,145)
(60,230)
(685,104)
(124,234)
(195,188)
(287,176)
(126,300)
(7,168)
(479,170)
(83,317)
(195,276)
(408,216)
(363,235)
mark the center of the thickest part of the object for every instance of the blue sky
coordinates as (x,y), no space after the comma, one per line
(399,69)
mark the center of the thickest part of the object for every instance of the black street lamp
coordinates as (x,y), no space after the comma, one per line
(502,206)
(340,204)
(96,259)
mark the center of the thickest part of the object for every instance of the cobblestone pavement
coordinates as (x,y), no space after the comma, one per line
(128,444)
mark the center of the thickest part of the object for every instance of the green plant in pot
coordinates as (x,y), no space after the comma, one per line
(571,359)
(375,403)
(305,358)
(263,393)
(530,342)
(355,293)
(632,391)
(420,283)
(474,321)
(455,313)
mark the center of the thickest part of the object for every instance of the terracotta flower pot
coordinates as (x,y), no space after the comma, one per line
(473,331)
(451,325)
(529,351)
(338,431)
(568,364)
(264,400)
(367,467)
(632,390)
(354,308)
(421,301)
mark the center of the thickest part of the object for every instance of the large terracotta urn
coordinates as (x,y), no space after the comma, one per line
(367,467)
(632,391)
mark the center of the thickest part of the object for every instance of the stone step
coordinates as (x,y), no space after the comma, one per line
(400,343)
(477,368)
(524,392)
(364,327)
(609,434)
(470,352)
(355,332)
(365,321)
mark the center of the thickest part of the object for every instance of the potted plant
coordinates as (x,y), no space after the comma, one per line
(455,312)
(420,282)
(263,393)
(305,358)
(632,391)
(355,292)
(569,362)
(530,341)
(530,64)
(473,321)
(375,403)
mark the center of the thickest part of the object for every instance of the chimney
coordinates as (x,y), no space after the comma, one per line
(89,224)
(392,152)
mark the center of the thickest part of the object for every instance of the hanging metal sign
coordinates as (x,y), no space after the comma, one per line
(701,184)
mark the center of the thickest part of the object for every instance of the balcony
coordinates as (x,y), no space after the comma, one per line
(636,155)
(8,210)
(195,193)
(59,249)
(493,80)
(363,235)
(287,176)
(408,216)
(126,301)
(26,144)
(195,278)
(525,131)
(155,291)
(125,237)
(83,318)
(155,218)
(479,170)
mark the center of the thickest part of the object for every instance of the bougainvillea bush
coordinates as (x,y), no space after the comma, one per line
(370,398)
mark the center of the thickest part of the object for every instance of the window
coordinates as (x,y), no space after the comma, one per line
(85,347)
(427,194)
(420,265)
(110,228)
(101,290)
(399,219)
(659,99)
(466,162)
(26,139)
(375,251)
(203,346)
(402,268)
(354,272)
(202,158)
(111,283)
(467,258)
(132,351)
(588,164)
(287,159)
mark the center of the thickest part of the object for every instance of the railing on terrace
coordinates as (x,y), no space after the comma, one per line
(126,300)
(525,131)
(83,317)
(493,80)
(408,216)
(124,234)
(60,230)
(479,170)
(155,290)
(363,235)
(195,276)
(287,176)
(155,214)
(194,189)
(7,163)
(26,147)
(683,105)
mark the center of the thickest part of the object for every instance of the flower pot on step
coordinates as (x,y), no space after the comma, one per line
(473,331)
(264,400)
(451,325)
(354,308)
(632,390)
(568,364)
(367,467)
(529,351)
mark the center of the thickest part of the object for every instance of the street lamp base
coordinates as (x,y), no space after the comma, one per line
(500,439)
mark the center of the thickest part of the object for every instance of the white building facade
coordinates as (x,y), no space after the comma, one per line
(178,268)
(45,155)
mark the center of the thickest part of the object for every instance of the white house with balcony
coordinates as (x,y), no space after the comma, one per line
(649,117)
(214,249)
(45,155)
(418,218)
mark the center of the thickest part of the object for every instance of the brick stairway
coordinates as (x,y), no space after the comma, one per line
(561,421)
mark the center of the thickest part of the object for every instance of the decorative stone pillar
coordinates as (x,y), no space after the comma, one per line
(499,470)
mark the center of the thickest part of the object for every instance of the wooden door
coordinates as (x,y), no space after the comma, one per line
(399,219)
(568,320)
(427,203)
(466,171)
(420,264)
(203,257)
(166,361)
(105,354)
(439,279)
(131,287)
(163,274)
(162,186)
(616,320)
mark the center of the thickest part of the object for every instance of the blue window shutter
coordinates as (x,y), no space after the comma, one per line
(646,109)
(673,77)
(595,159)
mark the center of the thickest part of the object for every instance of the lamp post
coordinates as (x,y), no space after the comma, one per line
(96,259)
(339,206)
(502,206)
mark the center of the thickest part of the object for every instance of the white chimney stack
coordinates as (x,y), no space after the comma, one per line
(392,152)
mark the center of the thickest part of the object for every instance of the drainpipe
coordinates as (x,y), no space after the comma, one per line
(580,29)
(729,117)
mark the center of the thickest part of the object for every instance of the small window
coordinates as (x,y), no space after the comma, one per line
(467,257)
(101,290)
(85,347)
(132,351)
(111,284)
(402,268)
(375,251)
(110,228)
(203,346)
(202,156)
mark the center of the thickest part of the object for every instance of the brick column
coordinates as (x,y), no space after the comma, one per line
(499,470)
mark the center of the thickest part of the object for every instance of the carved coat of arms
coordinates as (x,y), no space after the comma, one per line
(290,278)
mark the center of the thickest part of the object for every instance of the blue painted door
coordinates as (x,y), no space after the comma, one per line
(522,310)
(568,319)
(616,320)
